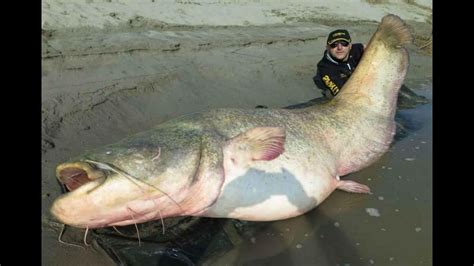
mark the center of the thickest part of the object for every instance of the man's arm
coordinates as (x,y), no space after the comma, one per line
(320,84)
(330,83)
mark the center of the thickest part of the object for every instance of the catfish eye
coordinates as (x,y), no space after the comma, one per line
(233,160)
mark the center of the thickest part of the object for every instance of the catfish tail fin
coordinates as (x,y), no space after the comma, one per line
(393,31)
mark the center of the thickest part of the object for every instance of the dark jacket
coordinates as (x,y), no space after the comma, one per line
(331,75)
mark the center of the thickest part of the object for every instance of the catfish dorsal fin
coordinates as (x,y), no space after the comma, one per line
(260,143)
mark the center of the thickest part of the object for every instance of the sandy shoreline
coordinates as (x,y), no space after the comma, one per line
(104,14)
(111,69)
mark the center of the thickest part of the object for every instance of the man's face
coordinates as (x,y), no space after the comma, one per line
(339,50)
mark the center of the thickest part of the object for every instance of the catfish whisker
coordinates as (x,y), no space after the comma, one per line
(162,222)
(135,223)
(116,230)
(138,235)
(85,237)
(161,217)
(65,243)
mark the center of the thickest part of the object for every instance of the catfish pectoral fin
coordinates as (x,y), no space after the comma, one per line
(259,143)
(354,187)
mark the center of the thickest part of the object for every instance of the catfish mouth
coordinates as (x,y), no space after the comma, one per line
(78,210)
(74,175)
(120,202)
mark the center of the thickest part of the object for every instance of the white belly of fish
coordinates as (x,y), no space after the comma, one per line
(270,191)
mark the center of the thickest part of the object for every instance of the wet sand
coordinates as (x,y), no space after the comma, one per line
(99,86)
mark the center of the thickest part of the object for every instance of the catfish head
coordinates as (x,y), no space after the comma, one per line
(173,170)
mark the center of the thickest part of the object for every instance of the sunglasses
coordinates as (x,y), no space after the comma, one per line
(334,45)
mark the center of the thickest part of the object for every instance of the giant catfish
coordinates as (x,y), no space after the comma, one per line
(248,164)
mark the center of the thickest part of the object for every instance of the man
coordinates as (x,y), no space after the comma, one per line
(339,61)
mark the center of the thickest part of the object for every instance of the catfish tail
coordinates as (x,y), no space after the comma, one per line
(393,31)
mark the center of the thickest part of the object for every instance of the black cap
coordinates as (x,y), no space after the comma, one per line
(339,35)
